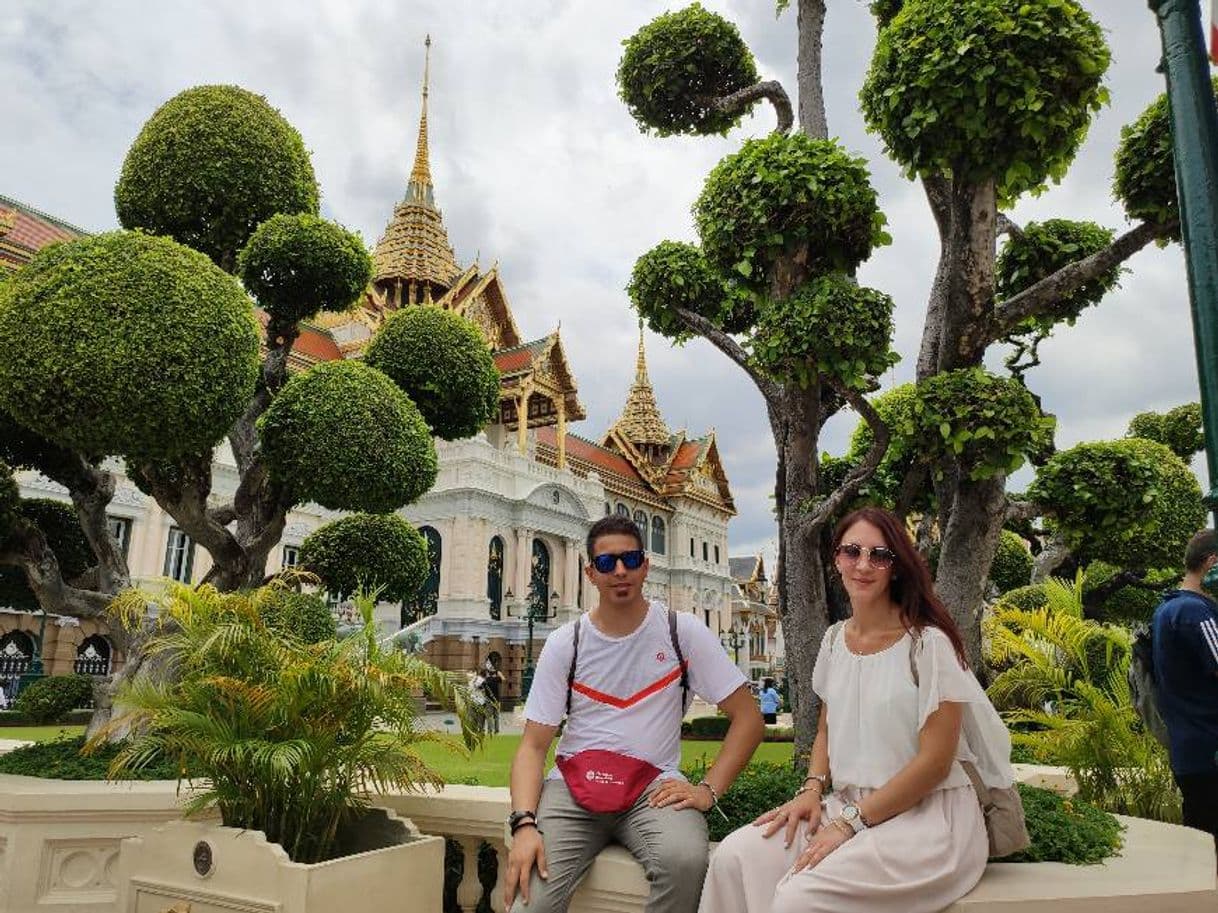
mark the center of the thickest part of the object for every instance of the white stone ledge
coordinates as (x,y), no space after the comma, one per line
(59,840)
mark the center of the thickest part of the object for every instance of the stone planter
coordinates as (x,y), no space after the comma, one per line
(205,868)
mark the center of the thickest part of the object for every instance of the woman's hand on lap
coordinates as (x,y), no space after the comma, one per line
(804,807)
(824,842)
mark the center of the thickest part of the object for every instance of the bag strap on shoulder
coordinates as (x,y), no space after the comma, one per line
(676,648)
(574,657)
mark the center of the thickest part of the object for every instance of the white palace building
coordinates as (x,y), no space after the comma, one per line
(506,520)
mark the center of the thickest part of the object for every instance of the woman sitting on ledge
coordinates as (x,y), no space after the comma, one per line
(902,829)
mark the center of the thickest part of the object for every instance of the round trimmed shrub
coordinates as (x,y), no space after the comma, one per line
(1128,605)
(987,423)
(896,409)
(305,616)
(885,10)
(829,325)
(211,165)
(677,66)
(782,195)
(1029,598)
(23,449)
(443,363)
(673,275)
(1043,249)
(1180,429)
(978,89)
(298,265)
(343,435)
(1131,503)
(1145,172)
(370,551)
(1012,567)
(48,699)
(126,344)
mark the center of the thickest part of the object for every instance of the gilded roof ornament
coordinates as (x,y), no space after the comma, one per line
(415,246)
(641,422)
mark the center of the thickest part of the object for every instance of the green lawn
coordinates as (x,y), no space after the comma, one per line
(488,765)
(39,733)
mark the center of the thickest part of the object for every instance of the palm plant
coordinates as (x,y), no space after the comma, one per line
(286,737)
(1063,690)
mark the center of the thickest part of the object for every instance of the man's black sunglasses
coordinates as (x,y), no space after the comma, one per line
(607,563)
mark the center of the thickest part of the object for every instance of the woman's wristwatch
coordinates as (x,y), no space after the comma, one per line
(852,816)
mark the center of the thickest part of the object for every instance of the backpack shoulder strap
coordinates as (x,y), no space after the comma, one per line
(676,648)
(574,657)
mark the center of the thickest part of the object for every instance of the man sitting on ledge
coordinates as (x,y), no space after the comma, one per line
(621,675)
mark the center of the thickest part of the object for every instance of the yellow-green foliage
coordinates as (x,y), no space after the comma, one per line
(287,737)
(1063,690)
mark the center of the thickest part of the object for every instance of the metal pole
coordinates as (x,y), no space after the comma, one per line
(1194,130)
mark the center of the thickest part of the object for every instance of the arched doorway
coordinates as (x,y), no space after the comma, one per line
(16,654)
(427,601)
(93,656)
(539,581)
(494,578)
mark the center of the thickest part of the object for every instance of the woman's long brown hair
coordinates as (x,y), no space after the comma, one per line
(910,586)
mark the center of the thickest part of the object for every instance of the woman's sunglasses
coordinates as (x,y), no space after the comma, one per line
(607,563)
(880,556)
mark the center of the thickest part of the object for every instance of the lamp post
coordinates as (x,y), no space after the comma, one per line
(537,609)
(1194,130)
(733,639)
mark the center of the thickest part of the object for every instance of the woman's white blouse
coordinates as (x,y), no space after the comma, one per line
(876,711)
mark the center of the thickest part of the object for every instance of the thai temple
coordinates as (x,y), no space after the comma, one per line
(506,520)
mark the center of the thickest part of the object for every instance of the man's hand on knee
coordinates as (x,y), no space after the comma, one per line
(527,851)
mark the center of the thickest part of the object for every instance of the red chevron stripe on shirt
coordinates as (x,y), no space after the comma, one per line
(623,702)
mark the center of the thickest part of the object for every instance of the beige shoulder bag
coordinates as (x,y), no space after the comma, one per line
(1004,821)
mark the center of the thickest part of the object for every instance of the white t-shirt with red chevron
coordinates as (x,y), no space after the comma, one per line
(627,692)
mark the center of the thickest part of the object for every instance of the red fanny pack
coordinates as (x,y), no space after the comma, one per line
(604,781)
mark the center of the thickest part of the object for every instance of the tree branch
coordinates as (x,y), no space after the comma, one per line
(1022,510)
(769,89)
(182,491)
(26,547)
(1041,298)
(733,350)
(1007,226)
(861,473)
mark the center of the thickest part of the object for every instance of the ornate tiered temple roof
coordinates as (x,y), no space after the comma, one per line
(640,421)
(24,230)
(414,261)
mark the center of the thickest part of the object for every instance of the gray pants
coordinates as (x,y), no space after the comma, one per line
(670,845)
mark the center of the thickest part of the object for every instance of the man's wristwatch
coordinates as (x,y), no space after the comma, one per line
(516,820)
(853,817)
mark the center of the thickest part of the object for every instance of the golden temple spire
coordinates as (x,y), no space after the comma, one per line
(641,422)
(414,262)
(420,189)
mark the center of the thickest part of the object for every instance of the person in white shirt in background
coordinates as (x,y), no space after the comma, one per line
(621,676)
(902,830)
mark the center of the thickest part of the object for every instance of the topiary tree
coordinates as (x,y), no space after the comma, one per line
(674,276)
(1145,179)
(152,351)
(441,361)
(371,552)
(981,100)
(1012,567)
(1131,503)
(317,432)
(1180,429)
(211,165)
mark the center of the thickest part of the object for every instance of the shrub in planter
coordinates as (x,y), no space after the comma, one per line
(49,699)
(62,759)
(289,738)
(1066,830)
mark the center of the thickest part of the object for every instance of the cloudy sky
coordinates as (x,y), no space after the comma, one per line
(538,166)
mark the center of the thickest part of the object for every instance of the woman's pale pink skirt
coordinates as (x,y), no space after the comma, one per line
(921,861)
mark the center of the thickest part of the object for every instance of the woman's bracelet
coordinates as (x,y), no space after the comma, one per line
(714,799)
(821,779)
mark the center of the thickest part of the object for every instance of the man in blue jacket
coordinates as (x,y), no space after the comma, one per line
(1186,680)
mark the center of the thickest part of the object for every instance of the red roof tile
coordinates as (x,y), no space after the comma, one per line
(32,229)
(317,345)
(512,361)
(687,456)
(599,457)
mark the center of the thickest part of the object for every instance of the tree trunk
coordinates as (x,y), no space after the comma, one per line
(809,85)
(1051,557)
(970,539)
